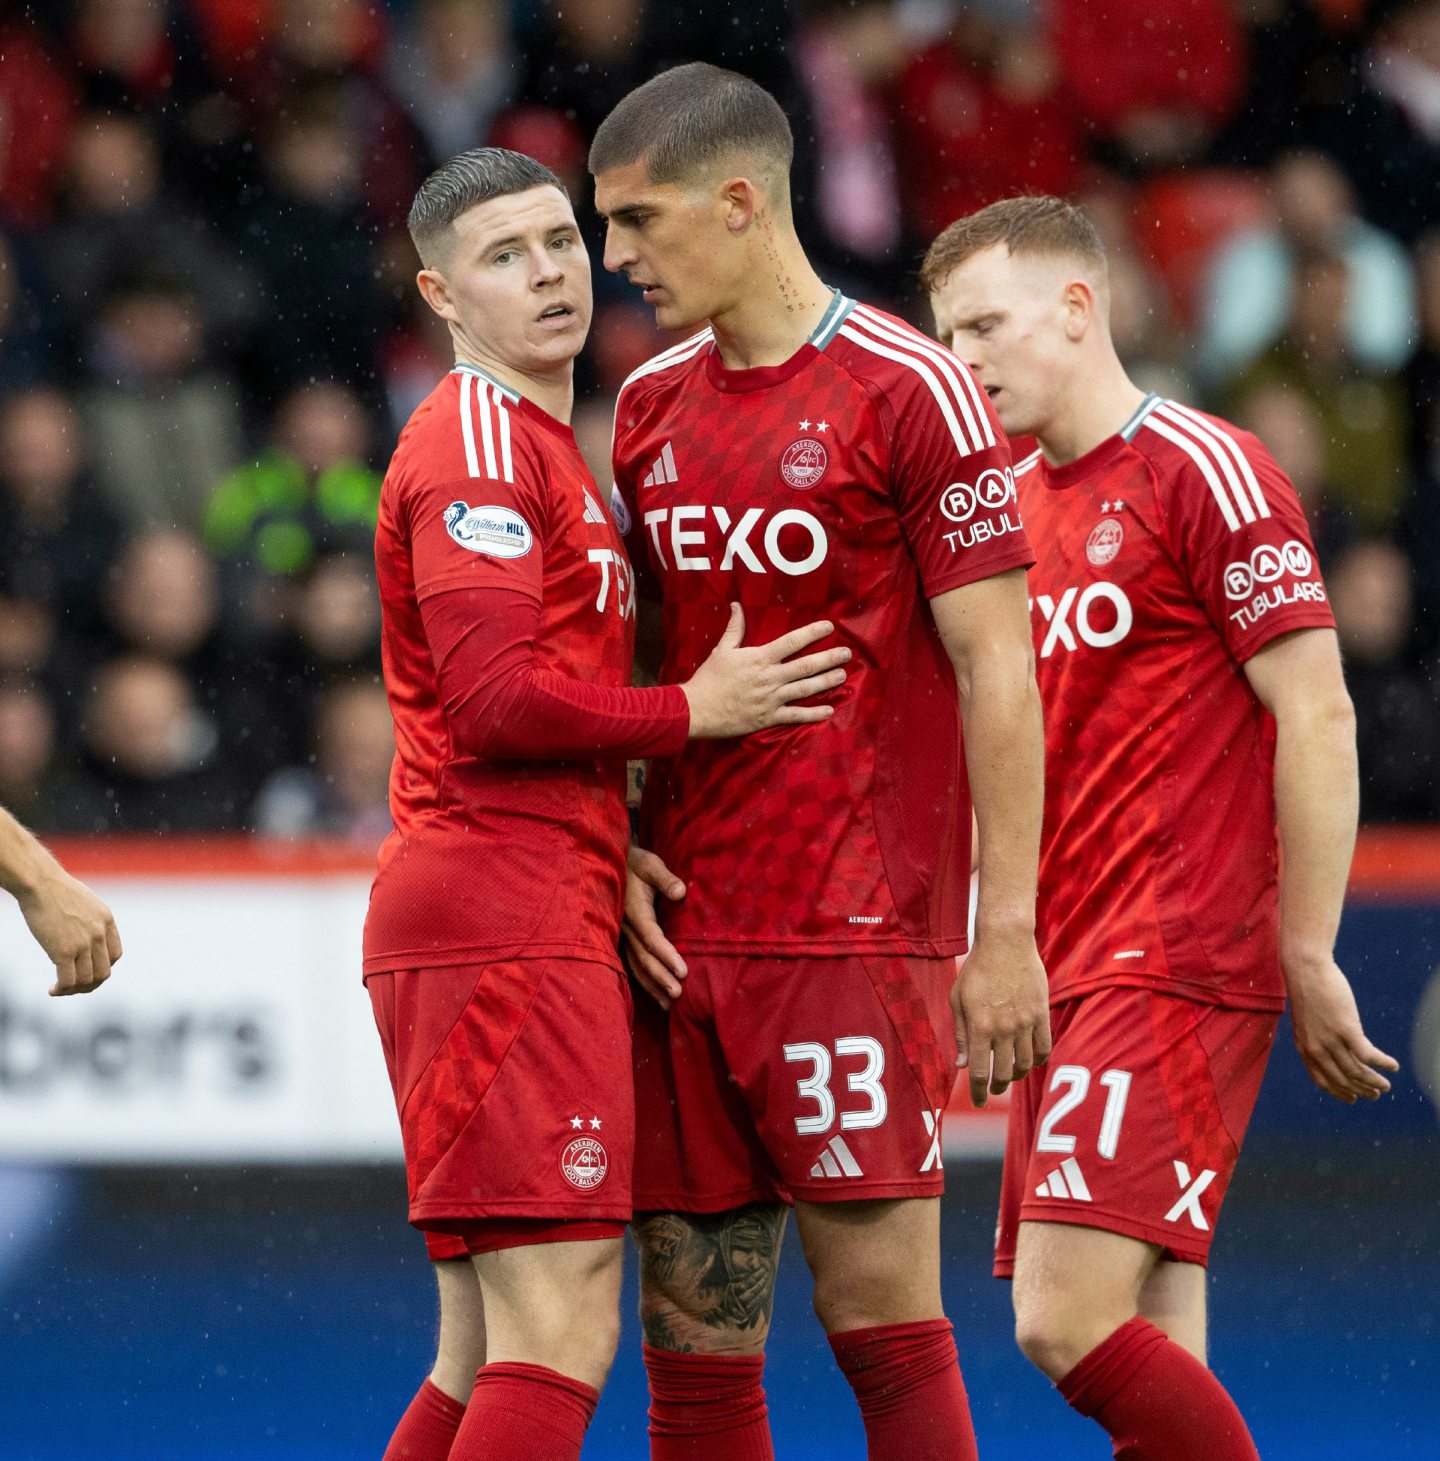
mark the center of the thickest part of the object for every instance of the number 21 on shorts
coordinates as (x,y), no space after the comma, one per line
(1077,1079)
(862,1082)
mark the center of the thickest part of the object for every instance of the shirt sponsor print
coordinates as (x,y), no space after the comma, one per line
(960,501)
(1271,578)
(499,531)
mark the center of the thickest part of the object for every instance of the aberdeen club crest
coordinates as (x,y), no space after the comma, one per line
(1104,542)
(804,463)
(585,1163)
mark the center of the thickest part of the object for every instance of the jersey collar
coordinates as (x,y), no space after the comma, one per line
(1134,424)
(762,376)
(511,395)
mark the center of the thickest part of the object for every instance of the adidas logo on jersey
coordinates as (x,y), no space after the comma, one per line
(662,469)
(836,1160)
(592,511)
(1067,1180)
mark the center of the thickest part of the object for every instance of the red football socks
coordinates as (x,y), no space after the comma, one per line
(427,1428)
(524,1413)
(1158,1401)
(707,1407)
(912,1399)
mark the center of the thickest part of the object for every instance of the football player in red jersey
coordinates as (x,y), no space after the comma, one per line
(1194,705)
(491,944)
(809,456)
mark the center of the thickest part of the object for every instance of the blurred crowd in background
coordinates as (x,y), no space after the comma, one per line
(210,336)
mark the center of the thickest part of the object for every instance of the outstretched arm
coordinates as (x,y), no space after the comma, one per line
(72,925)
(1317,796)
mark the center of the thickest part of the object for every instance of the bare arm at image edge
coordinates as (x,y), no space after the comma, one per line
(76,930)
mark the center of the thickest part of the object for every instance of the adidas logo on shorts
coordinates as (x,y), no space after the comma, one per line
(836,1160)
(1067,1180)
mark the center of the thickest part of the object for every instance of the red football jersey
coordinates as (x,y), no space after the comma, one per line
(492,860)
(1167,556)
(861,477)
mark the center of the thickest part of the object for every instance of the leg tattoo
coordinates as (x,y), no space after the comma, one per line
(703,1276)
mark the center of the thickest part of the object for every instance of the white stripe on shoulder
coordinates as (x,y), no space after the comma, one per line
(1156,423)
(943,398)
(486,413)
(1029,464)
(467,423)
(951,367)
(1216,433)
(1198,432)
(675,355)
(502,416)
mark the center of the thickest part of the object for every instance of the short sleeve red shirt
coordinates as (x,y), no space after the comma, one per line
(856,481)
(497,859)
(1167,557)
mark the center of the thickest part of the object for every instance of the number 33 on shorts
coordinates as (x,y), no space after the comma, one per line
(844,1126)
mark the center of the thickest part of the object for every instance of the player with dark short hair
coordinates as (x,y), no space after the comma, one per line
(1194,707)
(491,945)
(810,456)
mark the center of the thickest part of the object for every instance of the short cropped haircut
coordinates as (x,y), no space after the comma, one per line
(688,120)
(1030,225)
(468,179)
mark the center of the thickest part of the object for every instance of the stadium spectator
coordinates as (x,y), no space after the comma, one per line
(27,749)
(163,600)
(338,47)
(327,630)
(1396,710)
(37,105)
(453,67)
(344,791)
(1422,511)
(308,492)
(151,760)
(1291,427)
(848,55)
(1385,128)
(1294,49)
(1154,79)
(415,356)
(1363,412)
(1252,279)
(164,419)
(309,242)
(117,223)
(28,352)
(128,53)
(57,535)
(982,111)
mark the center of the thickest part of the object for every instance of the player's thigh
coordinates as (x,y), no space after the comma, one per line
(1173,1298)
(1141,1115)
(513,1082)
(554,1304)
(707,1280)
(846,1065)
(460,1349)
(873,1262)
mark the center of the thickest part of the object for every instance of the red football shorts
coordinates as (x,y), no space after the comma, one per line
(1135,1124)
(770,1079)
(516,1109)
